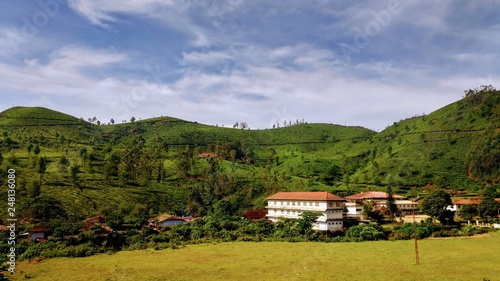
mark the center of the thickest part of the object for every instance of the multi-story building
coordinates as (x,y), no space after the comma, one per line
(355,203)
(292,204)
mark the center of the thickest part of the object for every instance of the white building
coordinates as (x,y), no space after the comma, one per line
(355,203)
(292,204)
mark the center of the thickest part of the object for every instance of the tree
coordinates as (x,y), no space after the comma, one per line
(36,149)
(488,207)
(369,212)
(435,204)
(45,209)
(183,163)
(306,223)
(75,179)
(468,211)
(112,121)
(41,167)
(391,205)
(366,232)
(243,125)
(132,119)
(29,148)
(35,190)
(63,164)
(271,154)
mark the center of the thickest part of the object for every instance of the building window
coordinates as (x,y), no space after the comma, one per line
(293,203)
(310,203)
(317,204)
(288,211)
(288,202)
(282,211)
(338,204)
(330,204)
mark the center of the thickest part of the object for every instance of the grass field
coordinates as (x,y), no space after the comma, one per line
(440,259)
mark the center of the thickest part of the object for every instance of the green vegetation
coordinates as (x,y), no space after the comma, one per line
(92,168)
(463,259)
(68,170)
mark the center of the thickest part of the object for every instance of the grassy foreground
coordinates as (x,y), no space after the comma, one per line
(440,259)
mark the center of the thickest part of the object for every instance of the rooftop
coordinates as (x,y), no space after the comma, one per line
(466,201)
(38,229)
(302,196)
(373,195)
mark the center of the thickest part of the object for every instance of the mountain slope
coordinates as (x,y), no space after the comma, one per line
(437,148)
(154,164)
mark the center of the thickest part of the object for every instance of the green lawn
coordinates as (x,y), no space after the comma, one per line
(440,259)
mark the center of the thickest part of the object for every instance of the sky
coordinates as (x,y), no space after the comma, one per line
(356,63)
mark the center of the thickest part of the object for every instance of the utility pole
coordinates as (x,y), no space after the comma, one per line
(417,258)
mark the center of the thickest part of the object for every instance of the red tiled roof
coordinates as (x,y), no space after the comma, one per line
(466,201)
(469,201)
(38,229)
(316,196)
(208,154)
(373,195)
(255,214)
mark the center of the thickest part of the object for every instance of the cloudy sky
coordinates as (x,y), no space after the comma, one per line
(366,63)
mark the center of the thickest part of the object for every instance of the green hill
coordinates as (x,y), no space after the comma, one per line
(154,165)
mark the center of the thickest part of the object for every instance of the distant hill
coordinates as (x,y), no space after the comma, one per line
(36,116)
(155,164)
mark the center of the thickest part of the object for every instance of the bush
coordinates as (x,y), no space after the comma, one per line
(366,232)
(406,231)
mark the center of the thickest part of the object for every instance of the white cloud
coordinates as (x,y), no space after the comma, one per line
(101,11)
(177,15)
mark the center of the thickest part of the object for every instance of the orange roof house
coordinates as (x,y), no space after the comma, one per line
(371,195)
(208,155)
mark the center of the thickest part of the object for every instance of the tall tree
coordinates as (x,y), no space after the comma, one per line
(391,205)
(183,163)
(435,205)
(63,164)
(488,207)
(75,178)
(36,149)
(306,223)
(41,167)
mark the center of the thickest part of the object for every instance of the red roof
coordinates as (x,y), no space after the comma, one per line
(208,154)
(466,201)
(372,195)
(469,201)
(38,229)
(255,214)
(302,196)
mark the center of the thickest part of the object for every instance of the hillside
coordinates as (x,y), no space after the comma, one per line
(154,166)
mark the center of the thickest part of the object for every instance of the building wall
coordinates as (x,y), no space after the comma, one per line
(36,235)
(170,223)
(331,212)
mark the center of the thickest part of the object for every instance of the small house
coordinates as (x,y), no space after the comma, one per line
(166,220)
(38,233)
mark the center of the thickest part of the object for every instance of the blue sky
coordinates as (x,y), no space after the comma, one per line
(366,63)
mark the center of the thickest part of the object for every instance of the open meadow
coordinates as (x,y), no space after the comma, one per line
(474,258)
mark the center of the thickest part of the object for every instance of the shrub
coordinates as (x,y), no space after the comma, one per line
(366,232)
